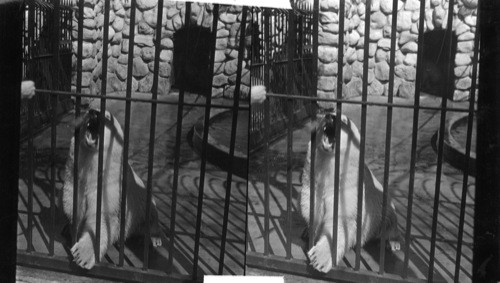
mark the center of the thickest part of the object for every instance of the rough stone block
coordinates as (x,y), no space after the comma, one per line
(382,71)
(326,83)
(406,72)
(406,89)
(140,69)
(329,69)
(219,80)
(327,54)
(146,4)
(146,83)
(375,88)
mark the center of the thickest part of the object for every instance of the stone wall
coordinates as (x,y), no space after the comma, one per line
(464,25)
(144,50)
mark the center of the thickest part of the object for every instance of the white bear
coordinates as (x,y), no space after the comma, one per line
(83,250)
(320,255)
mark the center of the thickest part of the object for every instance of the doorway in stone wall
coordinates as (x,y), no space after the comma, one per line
(436,62)
(191,62)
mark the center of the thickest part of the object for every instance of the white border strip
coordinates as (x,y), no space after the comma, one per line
(281,4)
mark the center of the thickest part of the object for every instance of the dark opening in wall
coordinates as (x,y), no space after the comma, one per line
(191,60)
(436,62)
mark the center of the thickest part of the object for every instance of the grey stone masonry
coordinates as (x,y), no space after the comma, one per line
(436,12)
(228,32)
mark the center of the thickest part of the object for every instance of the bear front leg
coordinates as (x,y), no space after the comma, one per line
(320,255)
(156,232)
(83,250)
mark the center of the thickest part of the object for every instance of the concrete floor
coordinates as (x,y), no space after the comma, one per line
(189,176)
(425,178)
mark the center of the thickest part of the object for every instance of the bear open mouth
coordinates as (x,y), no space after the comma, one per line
(328,138)
(92,129)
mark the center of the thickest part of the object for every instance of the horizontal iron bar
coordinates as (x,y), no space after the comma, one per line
(102,270)
(299,267)
(114,97)
(370,103)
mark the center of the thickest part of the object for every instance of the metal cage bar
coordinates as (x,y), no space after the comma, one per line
(267,124)
(312,183)
(29,236)
(338,126)
(388,137)
(312,188)
(414,137)
(102,118)
(149,186)
(175,185)
(53,131)
(361,174)
(369,103)
(232,143)
(468,146)
(201,185)
(76,134)
(442,124)
(126,133)
(289,146)
(132,99)
(31,167)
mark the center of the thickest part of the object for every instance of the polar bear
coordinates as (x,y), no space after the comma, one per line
(320,254)
(83,250)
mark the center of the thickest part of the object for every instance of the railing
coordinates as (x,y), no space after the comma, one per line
(180,262)
(276,245)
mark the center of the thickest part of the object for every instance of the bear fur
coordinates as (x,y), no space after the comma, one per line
(320,255)
(83,250)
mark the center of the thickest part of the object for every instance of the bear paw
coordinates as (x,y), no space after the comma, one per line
(156,241)
(320,255)
(394,245)
(83,253)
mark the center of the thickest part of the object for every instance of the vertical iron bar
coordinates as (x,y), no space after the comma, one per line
(413,154)
(154,90)
(388,137)
(201,184)
(102,119)
(267,55)
(338,126)
(11,29)
(312,188)
(53,101)
(315,32)
(178,137)
(126,132)
(31,168)
(31,40)
(361,176)
(234,123)
(486,238)
(468,143)
(289,147)
(78,100)
(449,89)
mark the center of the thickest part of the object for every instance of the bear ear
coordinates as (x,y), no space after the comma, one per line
(345,119)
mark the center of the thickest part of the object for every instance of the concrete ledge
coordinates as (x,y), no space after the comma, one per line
(454,151)
(217,151)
